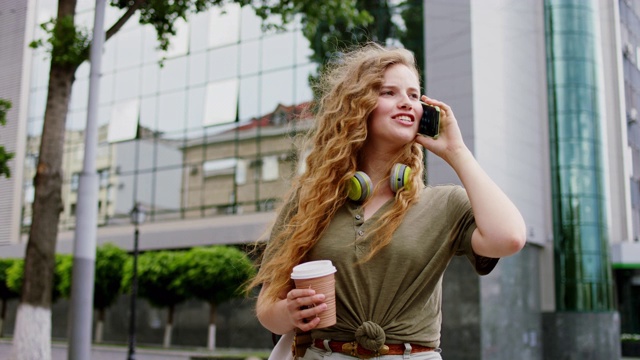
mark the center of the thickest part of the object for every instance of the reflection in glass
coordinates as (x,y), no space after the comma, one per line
(168,184)
(198,32)
(249,107)
(195,107)
(197,69)
(171,112)
(277,51)
(224,27)
(221,103)
(249,58)
(250,24)
(270,168)
(277,88)
(223,63)
(173,75)
(179,43)
(127,84)
(124,121)
(150,79)
(129,48)
(79,94)
(148,112)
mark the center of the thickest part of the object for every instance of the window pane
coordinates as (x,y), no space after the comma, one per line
(179,43)
(127,84)
(223,63)
(197,68)
(250,27)
(222,99)
(124,121)
(148,112)
(173,75)
(280,80)
(249,58)
(150,79)
(129,52)
(198,34)
(195,107)
(171,114)
(249,103)
(277,51)
(167,191)
(106,88)
(224,28)
(79,95)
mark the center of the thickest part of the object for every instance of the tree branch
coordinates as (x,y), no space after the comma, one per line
(123,20)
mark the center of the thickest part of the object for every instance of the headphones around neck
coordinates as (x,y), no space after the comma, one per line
(360,185)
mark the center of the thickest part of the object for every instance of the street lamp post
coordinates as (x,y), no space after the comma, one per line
(137,217)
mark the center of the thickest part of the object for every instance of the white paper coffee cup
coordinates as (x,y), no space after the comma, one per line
(319,276)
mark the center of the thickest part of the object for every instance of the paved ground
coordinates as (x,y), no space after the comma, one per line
(59,352)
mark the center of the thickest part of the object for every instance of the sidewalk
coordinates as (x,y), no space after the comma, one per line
(111,352)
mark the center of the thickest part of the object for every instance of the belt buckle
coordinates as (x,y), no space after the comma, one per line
(351,348)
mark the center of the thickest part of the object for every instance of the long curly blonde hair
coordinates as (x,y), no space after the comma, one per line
(349,92)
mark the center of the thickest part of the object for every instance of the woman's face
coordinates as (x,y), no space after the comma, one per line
(394,121)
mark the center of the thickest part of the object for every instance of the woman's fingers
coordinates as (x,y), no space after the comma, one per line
(304,305)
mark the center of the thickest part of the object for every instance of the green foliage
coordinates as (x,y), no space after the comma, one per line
(376,21)
(61,276)
(5,156)
(6,292)
(68,44)
(110,262)
(5,105)
(160,275)
(15,275)
(216,273)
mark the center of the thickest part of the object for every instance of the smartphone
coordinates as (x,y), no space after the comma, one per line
(430,122)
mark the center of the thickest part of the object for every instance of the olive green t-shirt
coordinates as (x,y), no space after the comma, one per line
(400,288)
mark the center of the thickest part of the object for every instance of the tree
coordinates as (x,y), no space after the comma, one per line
(68,47)
(110,262)
(330,37)
(216,274)
(160,281)
(5,156)
(6,293)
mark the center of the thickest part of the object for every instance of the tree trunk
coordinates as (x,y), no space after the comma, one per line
(100,326)
(32,338)
(168,330)
(211,343)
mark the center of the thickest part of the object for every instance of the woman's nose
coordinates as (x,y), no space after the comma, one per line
(404,103)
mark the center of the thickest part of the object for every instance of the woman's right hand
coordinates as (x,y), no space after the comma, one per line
(303,306)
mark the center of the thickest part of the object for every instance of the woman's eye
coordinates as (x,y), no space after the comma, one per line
(388,92)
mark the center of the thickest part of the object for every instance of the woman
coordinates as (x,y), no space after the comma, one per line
(392,248)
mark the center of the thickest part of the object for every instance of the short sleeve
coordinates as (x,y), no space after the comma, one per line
(464,225)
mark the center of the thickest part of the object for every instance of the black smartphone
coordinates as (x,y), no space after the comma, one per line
(430,121)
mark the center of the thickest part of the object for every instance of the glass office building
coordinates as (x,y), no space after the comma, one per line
(159,110)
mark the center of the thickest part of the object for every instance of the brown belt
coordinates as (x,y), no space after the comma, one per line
(352,348)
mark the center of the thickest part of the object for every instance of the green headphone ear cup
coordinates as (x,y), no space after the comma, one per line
(359,187)
(399,177)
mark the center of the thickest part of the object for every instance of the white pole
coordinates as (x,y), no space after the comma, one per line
(84,245)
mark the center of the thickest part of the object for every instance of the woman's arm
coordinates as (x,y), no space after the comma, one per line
(501,230)
(296,309)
